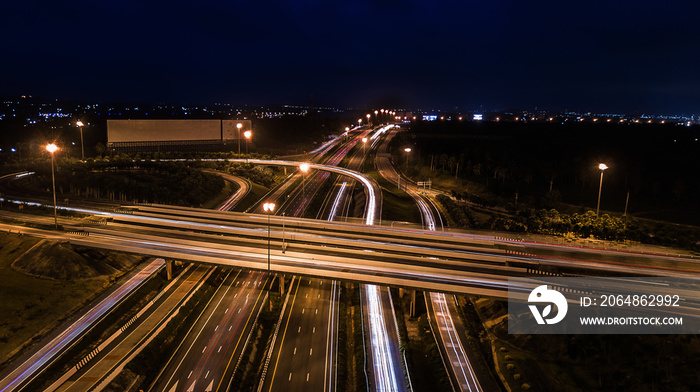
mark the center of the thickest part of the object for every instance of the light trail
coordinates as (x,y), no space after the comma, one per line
(466,378)
(384,372)
(336,202)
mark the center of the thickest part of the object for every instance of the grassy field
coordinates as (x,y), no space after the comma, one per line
(397,205)
(225,193)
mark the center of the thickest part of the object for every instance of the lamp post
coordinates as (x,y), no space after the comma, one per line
(82,149)
(602,168)
(368,117)
(269,209)
(304,167)
(408,150)
(364,145)
(283,232)
(248,135)
(52,148)
(239,126)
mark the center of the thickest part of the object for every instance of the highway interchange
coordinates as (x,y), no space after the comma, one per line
(315,257)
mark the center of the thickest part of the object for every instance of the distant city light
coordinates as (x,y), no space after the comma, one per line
(477,117)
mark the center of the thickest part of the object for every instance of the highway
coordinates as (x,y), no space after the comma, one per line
(442,310)
(385,362)
(221,330)
(185,237)
(207,358)
(309,353)
(115,356)
(303,356)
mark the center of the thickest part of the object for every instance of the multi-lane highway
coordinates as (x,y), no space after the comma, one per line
(319,252)
(207,358)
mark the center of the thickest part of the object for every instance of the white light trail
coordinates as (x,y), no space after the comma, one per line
(384,373)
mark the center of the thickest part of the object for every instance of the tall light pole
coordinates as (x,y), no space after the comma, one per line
(239,126)
(283,232)
(248,135)
(82,149)
(269,209)
(602,168)
(52,148)
(364,145)
(408,150)
(368,117)
(304,167)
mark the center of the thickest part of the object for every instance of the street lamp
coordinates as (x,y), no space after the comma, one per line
(269,209)
(304,167)
(364,145)
(359,122)
(239,126)
(602,168)
(248,135)
(82,149)
(407,149)
(368,117)
(52,148)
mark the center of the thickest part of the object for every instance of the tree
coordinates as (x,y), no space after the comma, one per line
(100,149)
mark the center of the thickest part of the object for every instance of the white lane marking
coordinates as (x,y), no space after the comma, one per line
(190,375)
(174,388)
(216,329)
(229,328)
(206,375)
(205,347)
(311,351)
(307,376)
(226,311)
(295,351)
(314,330)
(290,376)
(219,349)
(299,330)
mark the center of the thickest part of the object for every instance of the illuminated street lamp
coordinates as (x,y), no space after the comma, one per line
(52,148)
(359,121)
(304,167)
(269,209)
(239,126)
(602,168)
(248,135)
(82,149)
(368,117)
(364,145)
(407,150)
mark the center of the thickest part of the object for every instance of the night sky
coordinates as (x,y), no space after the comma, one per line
(602,56)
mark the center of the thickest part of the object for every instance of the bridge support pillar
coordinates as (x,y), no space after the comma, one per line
(413,304)
(281,278)
(169,268)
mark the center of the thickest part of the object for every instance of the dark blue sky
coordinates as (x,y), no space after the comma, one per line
(618,56)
